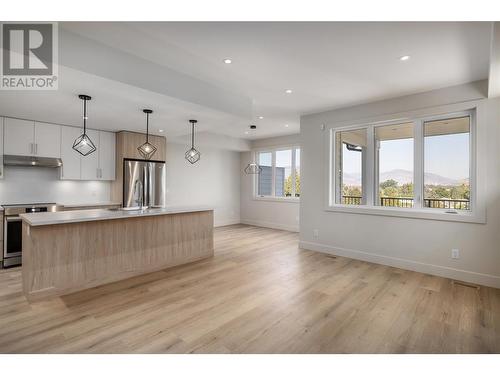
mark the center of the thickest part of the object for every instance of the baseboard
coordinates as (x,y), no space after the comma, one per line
(267,224)
(223,223)
(432,269)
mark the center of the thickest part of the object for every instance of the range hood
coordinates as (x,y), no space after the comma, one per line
(31,161)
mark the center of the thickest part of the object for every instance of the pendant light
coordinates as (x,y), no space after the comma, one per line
(253,168)
(83,143)
(192,155)
(147,149)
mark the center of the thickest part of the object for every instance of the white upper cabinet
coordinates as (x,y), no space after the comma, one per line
(106,155)
(1,147)
(19,137)
(71,168)
(47,140)
(99,165)
(29,138)
(90,166)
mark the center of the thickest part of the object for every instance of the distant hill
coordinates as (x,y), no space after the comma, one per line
(403,176)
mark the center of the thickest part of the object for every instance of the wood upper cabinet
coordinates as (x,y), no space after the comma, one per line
(126,148)
(30,138)
(127,143)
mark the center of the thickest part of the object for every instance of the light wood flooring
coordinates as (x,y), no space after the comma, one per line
(259,294)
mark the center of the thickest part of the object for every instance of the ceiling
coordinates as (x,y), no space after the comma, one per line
(326,64)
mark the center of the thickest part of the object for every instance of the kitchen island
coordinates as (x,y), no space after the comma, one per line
(68,251)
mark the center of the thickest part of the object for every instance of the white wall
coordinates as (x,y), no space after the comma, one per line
(418,244)
(272,214)
(34,184)
(212,181)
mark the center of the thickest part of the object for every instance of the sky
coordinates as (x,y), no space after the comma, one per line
(283,158)
(445,155)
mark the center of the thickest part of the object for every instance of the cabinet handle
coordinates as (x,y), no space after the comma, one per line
(31,148)
(36,148)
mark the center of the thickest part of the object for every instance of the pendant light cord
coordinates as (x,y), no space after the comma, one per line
(192,135)
(147,127)
(84,116)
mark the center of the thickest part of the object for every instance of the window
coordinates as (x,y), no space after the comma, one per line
(266,174)
(283,173)
(350,166)
(422,164)
(297,172)
(447,163)
(394,165)
(280,174)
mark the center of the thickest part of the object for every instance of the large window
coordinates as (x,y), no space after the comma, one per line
(280,173)
(447,163)
(414,164)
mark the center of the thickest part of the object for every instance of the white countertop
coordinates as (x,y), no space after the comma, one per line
(78,205)
(65,217)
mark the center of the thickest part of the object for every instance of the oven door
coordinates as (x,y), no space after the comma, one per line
(13,234)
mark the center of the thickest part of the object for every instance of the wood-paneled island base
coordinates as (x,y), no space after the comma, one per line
(95,247)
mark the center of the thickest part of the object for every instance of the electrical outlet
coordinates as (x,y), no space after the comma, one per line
(455,253)
(315,233)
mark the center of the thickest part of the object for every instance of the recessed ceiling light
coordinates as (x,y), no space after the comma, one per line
(261,117)
(228,61)
(288,91)
(286,125)
(404,58)
(160,130)
(246,132)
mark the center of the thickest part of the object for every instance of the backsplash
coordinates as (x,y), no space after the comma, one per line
(30,185)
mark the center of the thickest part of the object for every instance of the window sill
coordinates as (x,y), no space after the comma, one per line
(412,213)
(277,199)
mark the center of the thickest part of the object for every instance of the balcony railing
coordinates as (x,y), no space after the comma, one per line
(450,204)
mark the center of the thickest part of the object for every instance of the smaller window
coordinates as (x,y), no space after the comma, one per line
(350,166)
(280,173)
(283,174)
(297,172)
(265,184)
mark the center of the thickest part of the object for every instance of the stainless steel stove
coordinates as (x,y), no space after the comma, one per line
(12,227)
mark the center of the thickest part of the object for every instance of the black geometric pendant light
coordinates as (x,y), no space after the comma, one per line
(147,149)
(83,143)
(253,167)
(192,155)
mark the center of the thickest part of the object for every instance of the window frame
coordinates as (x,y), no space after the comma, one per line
(476,214)
(273,150)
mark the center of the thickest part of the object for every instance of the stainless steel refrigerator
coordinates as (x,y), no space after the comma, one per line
(144,183)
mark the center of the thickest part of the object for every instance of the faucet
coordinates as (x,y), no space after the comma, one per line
(141,195)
